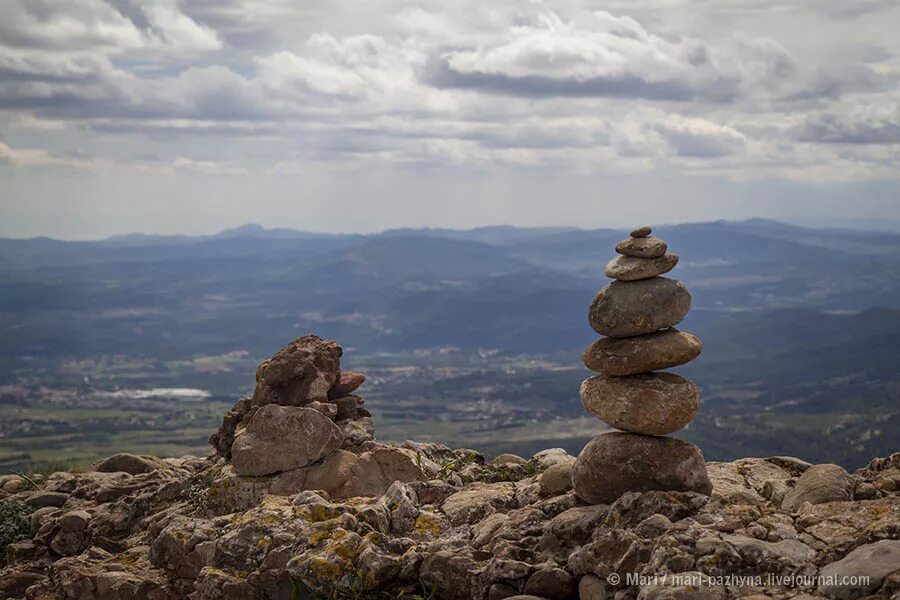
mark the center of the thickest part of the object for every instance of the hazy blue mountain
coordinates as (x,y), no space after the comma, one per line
(497,287)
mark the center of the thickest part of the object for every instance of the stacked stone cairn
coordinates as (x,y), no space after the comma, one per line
(304,428)
(637,313)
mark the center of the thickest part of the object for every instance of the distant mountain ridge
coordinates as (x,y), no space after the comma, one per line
(493,287)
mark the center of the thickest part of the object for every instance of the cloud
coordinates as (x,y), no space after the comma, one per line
(282,87)
(66,26)
(206,167)
(36,158)
(94,25)
(617,57)
(698,137)
(858,124)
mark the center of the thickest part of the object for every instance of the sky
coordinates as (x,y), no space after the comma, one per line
(191,116)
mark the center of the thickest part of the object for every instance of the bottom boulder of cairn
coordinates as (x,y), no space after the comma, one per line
(614,463)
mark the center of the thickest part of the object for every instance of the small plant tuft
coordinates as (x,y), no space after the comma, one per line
(15,524)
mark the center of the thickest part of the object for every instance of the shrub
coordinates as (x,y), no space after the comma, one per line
(14,524)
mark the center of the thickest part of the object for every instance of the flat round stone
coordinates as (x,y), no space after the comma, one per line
(642,353)
(628,308)
(641,232)
(650,403)
(630,268)
(614,463)
(645,247)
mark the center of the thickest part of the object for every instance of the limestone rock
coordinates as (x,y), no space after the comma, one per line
(642,353)
(630,268)
(222,439)
(818,484)
(614,463)
(375,471)
(40,499)
(684,586)
(480,500)
(629,308)
(641,232)
(872,561)
(279,438)
(650,403)
(556,479)
(552,583)
(348,383)
(508,459)
(128,463)
(332,474)
(642,247)
(303,371)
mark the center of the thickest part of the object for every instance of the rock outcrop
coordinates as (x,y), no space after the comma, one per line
(637,312)
(465,530)
(361,519)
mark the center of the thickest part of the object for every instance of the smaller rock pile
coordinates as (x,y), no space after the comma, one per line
(637,312)
(304,429)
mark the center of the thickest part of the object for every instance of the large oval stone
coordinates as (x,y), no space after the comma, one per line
(614,463)
(279,438)
(642,353)
(643,247)
(629,268)
(628,308)
(650,403)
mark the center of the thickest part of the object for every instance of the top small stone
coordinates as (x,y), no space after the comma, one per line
(641,232)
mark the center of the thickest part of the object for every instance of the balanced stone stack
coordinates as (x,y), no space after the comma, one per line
(637,312)
(304,429)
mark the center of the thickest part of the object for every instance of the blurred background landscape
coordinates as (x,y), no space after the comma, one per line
(468,337)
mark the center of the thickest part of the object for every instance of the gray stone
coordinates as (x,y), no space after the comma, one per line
(630,268)
(684,586)
(40,499)
(280,438)
(128,463)
(873,561)
(15,584)
(556,479)
(478,501)
(304,371)
(819,484)
(642,353)
(650,403)
(76,520)
(508,459)
(614,463)
(591,587)
(643,247)
(375,471)
(347,384)
(641,232)
(552,583)
(501,591)
(628,308)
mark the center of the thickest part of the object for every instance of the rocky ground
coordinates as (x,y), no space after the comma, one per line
(142,527)
(298,501)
